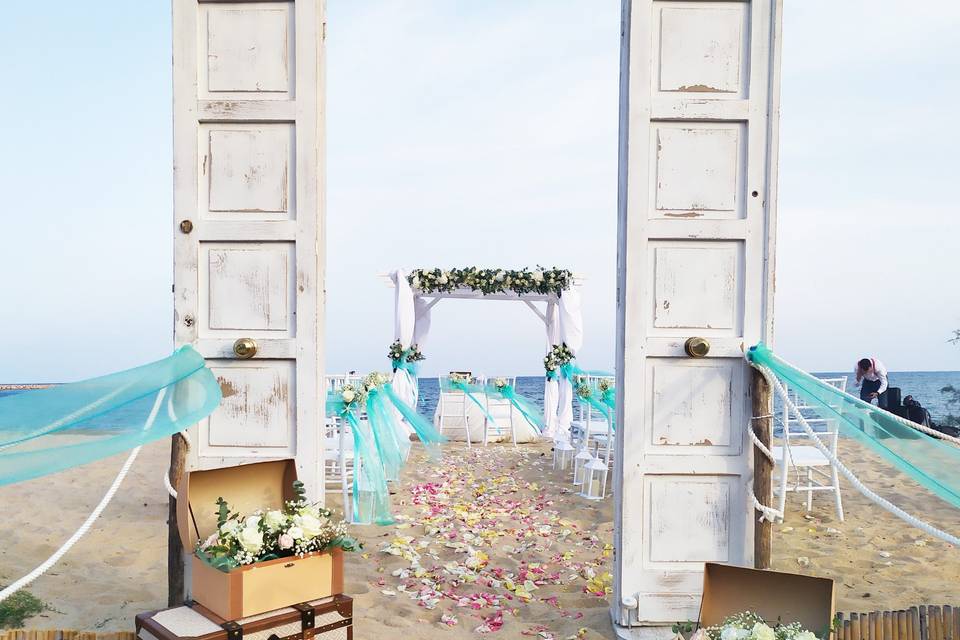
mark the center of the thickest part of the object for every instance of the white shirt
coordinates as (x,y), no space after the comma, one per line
(877,372)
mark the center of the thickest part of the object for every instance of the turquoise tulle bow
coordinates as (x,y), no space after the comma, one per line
(469,390)
(392,445)
(424,429)
(570,371)
(371,497)
(523,405)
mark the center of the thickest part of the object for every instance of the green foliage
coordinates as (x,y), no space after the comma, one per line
(684,627)
(300,491)
(223,512)
(487,281)
(15,610)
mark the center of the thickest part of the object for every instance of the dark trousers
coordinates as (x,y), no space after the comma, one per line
(872,386)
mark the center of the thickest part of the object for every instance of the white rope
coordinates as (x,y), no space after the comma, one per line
(766,512)
(166,474)
(79,533)
(870,495)
(59,553)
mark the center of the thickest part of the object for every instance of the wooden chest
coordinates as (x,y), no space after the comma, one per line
(324,619)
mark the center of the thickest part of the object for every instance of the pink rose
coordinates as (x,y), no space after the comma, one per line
(285,541)
(209,541)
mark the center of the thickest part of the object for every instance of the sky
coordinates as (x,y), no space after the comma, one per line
(465,133)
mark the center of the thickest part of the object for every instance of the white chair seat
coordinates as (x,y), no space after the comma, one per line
(803,456)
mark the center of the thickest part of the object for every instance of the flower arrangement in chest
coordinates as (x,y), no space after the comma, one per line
(298,528)
(750,626)
(490,281)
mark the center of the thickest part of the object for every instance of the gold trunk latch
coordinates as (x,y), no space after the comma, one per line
(697,347)
(245,348)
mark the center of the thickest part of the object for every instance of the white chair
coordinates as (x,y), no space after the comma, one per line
(452,410)
(811,469)
(502,411)
(338,455)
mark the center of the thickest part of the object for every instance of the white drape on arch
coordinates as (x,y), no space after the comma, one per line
(568,330)
(404,328)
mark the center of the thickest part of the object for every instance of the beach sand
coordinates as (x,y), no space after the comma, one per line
(499,510)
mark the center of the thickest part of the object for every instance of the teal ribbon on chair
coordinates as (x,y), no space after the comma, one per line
(370,477)
(393,448)
(428,435)
(524,406)
(570,371)
(469,390)
(609,398)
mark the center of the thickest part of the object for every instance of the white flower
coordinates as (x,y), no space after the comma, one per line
(348,395)
(295,532)
(762,632)
(415,282)
(805,635)
(311,525)
(733,633)
(251,539)
(230,527)
(538,276)
(252,522)
(443,279)
(274,520)
(209,541)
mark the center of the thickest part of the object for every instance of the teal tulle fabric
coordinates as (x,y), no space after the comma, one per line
(380,447)
(49,430)
(371,497)
(929,461)
(392,446)
(424,429)
(527,409)
(470,391)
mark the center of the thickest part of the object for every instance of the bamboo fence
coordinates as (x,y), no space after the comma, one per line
(926,622)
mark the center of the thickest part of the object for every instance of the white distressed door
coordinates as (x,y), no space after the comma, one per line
(248,203)
(699,86)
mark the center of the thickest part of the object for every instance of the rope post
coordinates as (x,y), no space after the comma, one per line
(762,405)
(176,587)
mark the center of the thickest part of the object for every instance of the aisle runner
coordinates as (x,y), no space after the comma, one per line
(484,549)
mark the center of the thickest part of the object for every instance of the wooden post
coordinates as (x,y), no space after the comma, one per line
(176,589)
(948,622)
(762,469)
(854,626)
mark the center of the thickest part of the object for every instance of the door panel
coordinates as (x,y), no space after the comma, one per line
(248,96)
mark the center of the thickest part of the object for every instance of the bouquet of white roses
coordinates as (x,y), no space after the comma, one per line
(398,353)
(558,356)
(297,529)
(750,626)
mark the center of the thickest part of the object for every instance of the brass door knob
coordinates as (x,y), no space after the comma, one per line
(245,348)
(697,347)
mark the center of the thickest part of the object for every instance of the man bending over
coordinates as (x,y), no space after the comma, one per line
(872,380)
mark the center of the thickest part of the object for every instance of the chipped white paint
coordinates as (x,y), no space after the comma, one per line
(694,404)
(696,170)
(248,170)
(246,48)
(699,83)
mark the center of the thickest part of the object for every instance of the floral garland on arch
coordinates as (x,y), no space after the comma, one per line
(488,281)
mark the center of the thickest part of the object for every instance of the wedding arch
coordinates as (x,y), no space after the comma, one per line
(418,291)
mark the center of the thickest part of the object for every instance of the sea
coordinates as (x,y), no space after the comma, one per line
(925,386)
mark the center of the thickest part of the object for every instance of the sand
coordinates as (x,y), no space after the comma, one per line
(526,525)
